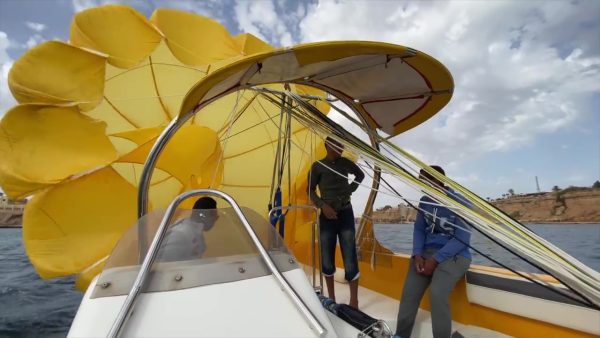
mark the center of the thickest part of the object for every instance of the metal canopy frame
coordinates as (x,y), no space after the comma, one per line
(178,122)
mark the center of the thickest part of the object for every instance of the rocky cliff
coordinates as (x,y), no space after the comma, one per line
(400,214)
(568,205)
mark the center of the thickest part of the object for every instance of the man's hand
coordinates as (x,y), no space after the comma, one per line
(328,211)
(419,263)
(429,266)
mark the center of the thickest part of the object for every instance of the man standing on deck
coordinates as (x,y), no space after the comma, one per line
(337,217)
(440,258)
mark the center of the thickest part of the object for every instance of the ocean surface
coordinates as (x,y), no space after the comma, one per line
(581,241)
(30,307)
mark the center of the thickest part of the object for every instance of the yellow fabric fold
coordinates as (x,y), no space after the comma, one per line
(73,225)
(140,136)
(184,156)
(118,31)
(188,36)
(44,76)
(44,145)
(249,44)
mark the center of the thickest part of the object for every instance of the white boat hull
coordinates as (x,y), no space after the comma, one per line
(254,307)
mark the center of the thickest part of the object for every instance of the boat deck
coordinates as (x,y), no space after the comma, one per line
(382,307)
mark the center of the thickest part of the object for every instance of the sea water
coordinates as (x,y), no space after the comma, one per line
(31,307)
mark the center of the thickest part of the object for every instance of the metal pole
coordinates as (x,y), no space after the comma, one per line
(140,280)
(148,260)
(313,255)
(374,143)
(308,315)
(313,237)
(320,262)
(161,142)
(144,184)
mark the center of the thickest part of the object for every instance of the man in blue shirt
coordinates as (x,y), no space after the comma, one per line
(440,258)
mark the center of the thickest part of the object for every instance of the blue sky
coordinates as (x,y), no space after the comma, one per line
(527,73)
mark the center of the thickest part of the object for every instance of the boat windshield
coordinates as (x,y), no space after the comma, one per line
(200,247)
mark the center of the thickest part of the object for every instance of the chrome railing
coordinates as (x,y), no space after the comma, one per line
(312,245)
(127,308)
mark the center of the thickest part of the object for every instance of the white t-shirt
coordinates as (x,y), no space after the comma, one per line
(183,241)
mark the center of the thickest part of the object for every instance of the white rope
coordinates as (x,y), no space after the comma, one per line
(531,249)
(229,128)
(511,234)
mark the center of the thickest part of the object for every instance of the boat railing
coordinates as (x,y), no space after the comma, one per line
(127,307)
(315,228)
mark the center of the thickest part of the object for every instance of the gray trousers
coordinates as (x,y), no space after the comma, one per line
(442,282)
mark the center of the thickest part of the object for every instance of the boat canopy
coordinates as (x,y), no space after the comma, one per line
(394,88)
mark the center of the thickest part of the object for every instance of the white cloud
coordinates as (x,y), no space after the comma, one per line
(214,9)
(140,5)
(521,69)
(33,41)
(468,179)
(35,26)
(261,19)
(81,5)
(6,99)
(4,44)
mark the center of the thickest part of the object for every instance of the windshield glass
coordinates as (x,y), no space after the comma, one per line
(200,247)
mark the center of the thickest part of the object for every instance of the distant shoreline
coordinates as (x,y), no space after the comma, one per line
(19,226)
(561,222)
(525,223)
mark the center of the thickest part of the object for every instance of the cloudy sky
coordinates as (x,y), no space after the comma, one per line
(527,73)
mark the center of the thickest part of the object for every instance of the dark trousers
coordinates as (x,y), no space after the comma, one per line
(331,230)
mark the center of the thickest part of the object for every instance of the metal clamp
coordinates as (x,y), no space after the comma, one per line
(380,329)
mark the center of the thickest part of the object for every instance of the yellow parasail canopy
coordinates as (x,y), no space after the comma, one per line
(90,110)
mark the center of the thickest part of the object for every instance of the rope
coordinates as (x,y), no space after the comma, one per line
(399,164)
(231,122)
(529,248)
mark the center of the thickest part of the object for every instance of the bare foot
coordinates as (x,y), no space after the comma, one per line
(354,304)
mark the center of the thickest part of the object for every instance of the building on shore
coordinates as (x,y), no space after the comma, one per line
(400,214)
(11,212)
